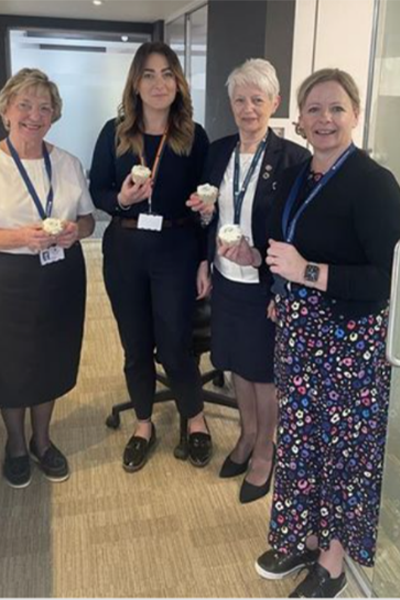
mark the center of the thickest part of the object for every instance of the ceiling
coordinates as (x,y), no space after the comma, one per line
(110,10)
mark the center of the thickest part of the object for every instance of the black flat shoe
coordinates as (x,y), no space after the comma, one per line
(231,468)
(200,448)
(250,492)
(137,451)
(319,584)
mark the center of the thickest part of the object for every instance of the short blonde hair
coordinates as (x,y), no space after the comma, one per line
(257,72)
(323,76)
(29,78)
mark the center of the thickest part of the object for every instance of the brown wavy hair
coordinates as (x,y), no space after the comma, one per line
(130,124)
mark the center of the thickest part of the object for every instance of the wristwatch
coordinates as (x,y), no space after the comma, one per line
(311,273)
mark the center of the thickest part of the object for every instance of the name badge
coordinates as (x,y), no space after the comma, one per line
(51,255)
(150,222)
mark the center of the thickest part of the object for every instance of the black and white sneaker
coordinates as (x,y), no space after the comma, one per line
(17,471)
(319,584)
(276,565)
(53,463)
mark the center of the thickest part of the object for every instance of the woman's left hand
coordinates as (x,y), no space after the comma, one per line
(242,253)
(203,281)
(68,236)
(283,259)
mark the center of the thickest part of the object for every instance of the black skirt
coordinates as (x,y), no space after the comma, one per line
(242,337)
(42,313)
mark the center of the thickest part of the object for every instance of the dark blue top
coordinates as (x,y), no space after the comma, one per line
(178,176)
(352,225)
(279,155)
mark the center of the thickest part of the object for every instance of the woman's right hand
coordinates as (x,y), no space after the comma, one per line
(197,205)
(133,193)
(35,238)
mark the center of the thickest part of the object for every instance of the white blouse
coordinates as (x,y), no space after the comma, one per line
(226,267)
(71,194)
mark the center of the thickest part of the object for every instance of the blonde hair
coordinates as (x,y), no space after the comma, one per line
(324,75)
(130,125)
(21,81)
(257,72)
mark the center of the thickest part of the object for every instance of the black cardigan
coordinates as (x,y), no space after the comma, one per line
(279,155)
(353,225)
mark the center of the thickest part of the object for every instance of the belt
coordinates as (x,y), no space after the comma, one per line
(166,224)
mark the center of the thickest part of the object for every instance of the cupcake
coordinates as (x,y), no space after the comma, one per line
(140,174)
(53,226)
(230,235)
(207,193)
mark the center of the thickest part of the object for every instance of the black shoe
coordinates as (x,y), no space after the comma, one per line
(53,462)
(137,451)
(319,584)
(200,448)
(231,469)
(276,565)
(17,471)
(250,492)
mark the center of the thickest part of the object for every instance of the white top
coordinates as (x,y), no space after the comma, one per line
(229,269)
(71,194)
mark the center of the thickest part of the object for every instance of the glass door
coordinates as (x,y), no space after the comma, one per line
(383,143)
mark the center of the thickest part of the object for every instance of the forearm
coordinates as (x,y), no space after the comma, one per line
(11,239)
(85,225)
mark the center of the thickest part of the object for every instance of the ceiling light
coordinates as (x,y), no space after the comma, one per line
(124,38)
(97,2)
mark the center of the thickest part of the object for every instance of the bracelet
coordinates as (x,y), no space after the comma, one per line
(206,219)
(121,206)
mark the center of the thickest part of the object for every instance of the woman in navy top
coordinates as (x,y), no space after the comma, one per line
(153,263)
(333,234)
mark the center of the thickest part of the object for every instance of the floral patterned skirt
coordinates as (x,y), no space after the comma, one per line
(333,384)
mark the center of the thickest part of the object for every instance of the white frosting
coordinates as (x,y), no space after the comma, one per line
(140,173)
(230,234)
(53,226)
(207,193)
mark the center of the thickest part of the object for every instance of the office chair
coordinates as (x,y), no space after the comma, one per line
(201,343)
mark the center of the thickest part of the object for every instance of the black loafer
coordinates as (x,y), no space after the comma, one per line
(200,448)
(250,492)
(52,463)
(17,470)
(232,469)
(319,584)
(276,565)
(137,451)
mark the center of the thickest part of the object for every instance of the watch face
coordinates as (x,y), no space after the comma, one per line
(311,273)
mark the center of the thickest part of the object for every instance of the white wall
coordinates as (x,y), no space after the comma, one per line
(330,33)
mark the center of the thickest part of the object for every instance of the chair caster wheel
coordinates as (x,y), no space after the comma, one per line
(219,380)
(113,421)
(181,451)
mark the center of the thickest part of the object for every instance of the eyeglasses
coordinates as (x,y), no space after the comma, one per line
(44,110)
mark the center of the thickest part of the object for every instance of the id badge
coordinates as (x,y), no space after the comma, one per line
(150,222)
(51,255)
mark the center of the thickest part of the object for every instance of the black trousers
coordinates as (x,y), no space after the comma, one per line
(150,279)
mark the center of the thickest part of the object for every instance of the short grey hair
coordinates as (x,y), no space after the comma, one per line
(255,71)
(29,78)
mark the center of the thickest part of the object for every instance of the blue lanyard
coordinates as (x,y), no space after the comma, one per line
(50,196)
(289,230)
(238,196)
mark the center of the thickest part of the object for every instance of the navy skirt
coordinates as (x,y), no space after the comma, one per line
(41,327)
(242,336)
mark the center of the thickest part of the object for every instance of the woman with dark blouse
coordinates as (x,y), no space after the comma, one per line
(152,247)
(242,335)
(334,230)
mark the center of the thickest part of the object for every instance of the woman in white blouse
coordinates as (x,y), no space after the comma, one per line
(45,209)
(246,168)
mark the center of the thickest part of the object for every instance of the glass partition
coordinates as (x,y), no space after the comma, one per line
(383,143)
(90,71)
